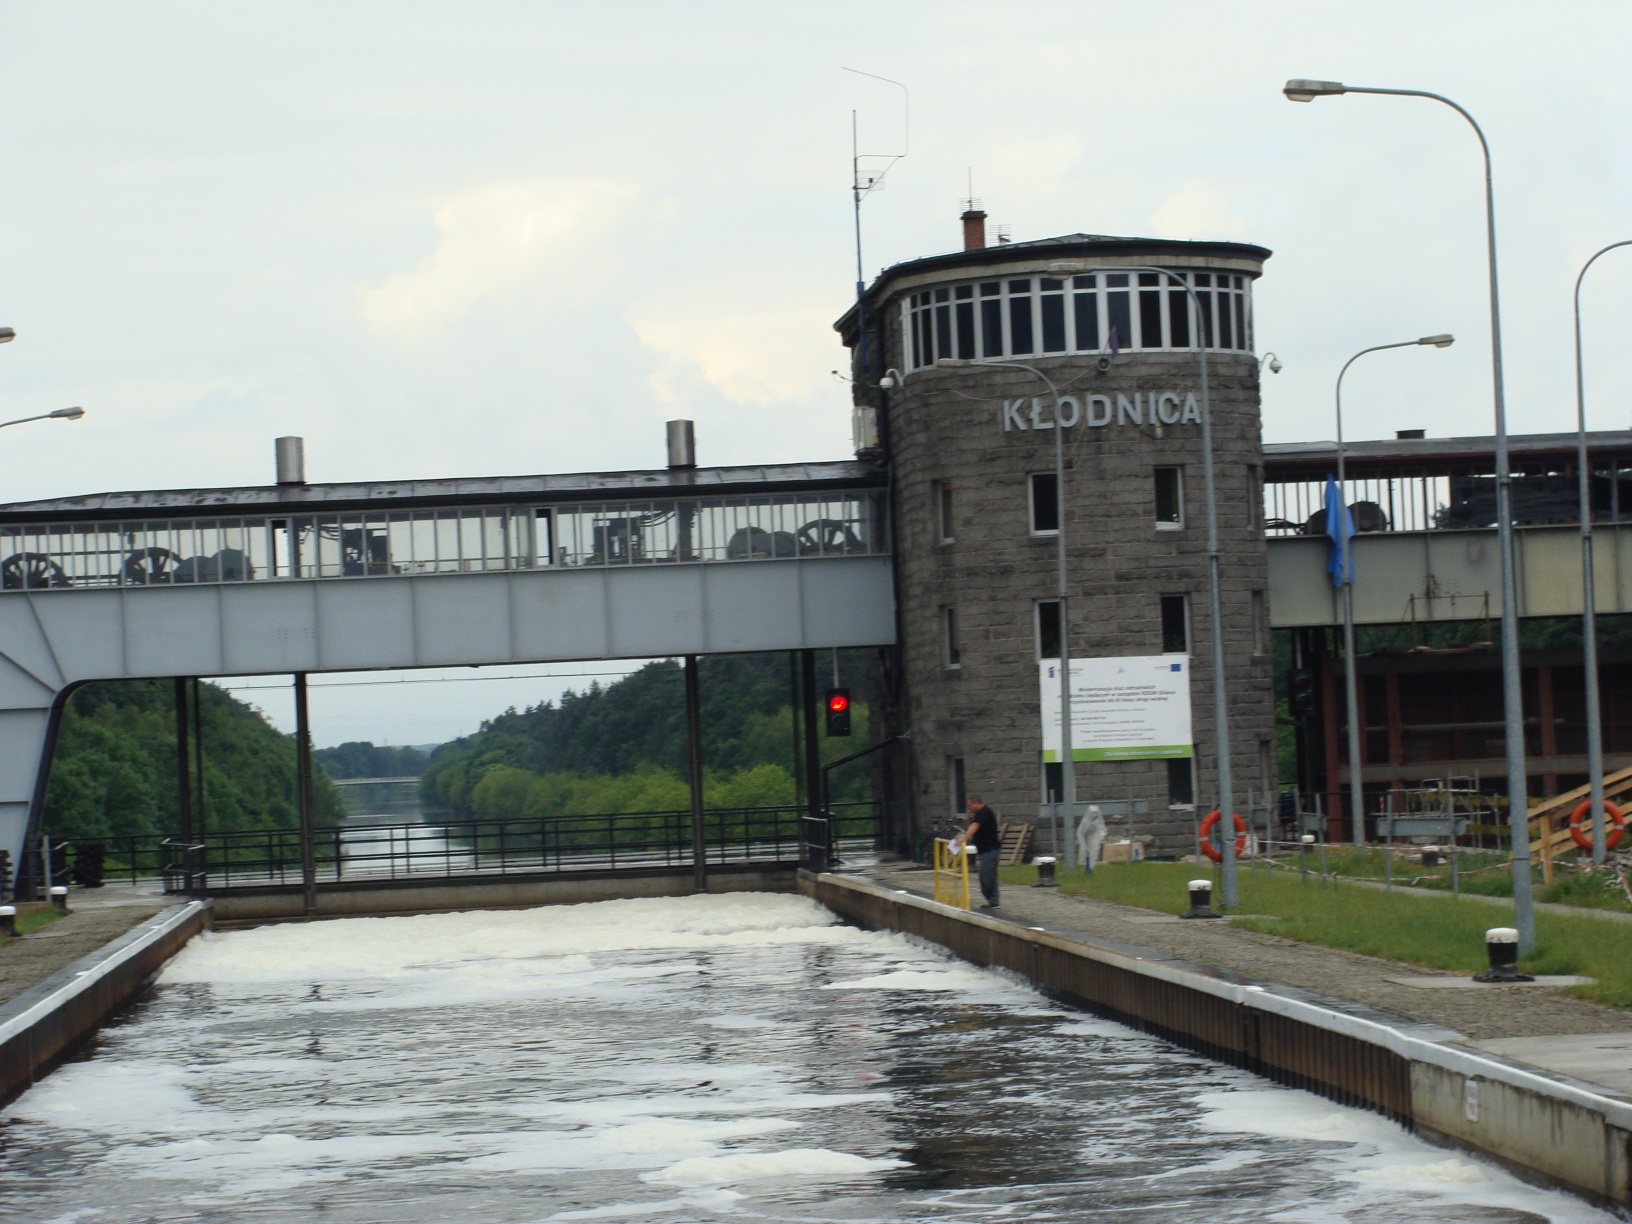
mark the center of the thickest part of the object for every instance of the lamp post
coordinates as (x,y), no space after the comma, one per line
(1221,705)
(1068,769)
(1524,917)
(1589,598)
(61,414)
(1345,577)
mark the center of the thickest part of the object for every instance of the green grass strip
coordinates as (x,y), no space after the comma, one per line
(1437,932)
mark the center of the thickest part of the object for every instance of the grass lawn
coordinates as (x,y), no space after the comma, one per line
(32,915)
(1485,872)
(1436,932)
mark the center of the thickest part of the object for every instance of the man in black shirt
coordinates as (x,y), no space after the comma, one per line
(982,834)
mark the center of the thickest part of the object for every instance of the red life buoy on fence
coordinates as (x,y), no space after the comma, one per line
(1579,836)
(1212,851)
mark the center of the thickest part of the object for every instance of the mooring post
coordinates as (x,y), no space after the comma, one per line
(304,793)
(694,757)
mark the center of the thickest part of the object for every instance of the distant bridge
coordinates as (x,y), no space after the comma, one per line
(375,781)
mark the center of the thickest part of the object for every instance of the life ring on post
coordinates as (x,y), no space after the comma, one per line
(1205,833)
(1580,836)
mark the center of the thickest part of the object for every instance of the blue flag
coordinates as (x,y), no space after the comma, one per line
(1338,520)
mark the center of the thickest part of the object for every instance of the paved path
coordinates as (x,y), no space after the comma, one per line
(1530,1024)
(96,917)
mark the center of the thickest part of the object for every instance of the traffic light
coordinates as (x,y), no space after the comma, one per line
(1303,695)
(838,711)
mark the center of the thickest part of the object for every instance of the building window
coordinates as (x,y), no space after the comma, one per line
(1094,313)
(1175,624)
(943,509)
(953,656)
(1169,498)
(1048,628)
(955,785)
(1181,782)
(1053,781)
(1255,498)
(1045,504)
(1260,624)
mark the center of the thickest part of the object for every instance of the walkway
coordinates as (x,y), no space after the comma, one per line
(96,917)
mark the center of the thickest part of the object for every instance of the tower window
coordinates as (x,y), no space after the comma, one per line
(1045,503)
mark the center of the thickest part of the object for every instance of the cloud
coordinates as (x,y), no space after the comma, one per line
(1198,210)
(749,357)
(492,242)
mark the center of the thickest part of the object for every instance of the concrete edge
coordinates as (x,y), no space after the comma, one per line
(1549,1128)
(44,1022)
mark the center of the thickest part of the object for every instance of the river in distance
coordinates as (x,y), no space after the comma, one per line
(738,1057)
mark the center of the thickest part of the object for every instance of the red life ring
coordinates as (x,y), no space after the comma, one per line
(1205,832)
(1614,813)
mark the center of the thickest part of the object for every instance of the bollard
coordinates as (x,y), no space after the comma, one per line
(1045,872)
(1304,842)
(1201,900)
(59,898)
(8,921)
(1502,947)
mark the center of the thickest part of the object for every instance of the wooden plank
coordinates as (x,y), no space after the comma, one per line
(1016,837)
(1615,785)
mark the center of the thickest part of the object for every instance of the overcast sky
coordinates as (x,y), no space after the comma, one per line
(492,238)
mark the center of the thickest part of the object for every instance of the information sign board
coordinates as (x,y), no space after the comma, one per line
(1128,708)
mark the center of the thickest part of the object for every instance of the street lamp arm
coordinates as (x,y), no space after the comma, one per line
(60,414)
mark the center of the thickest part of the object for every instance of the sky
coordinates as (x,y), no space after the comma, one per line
(488,238)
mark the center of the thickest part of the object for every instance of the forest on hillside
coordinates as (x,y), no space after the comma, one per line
(114,770)
(622,748)
(361,759)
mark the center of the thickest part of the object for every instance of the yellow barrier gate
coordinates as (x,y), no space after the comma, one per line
(951,875)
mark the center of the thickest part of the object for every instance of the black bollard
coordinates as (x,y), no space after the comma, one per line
(59,898)
(1201,900)
(8,921)
(1502,947)
(1045,872)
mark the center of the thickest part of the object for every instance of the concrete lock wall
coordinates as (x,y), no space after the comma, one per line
(45,1023)
(1538,1125)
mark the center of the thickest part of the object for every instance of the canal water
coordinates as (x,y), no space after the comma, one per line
(723,1058)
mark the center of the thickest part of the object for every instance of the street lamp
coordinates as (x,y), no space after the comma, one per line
(1271,360)
(1068,769)
(1589,598)
(1345,578)
(1524,917)
(61,414)
(1221,705)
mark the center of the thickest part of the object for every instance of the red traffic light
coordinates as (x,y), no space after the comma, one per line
(838,703)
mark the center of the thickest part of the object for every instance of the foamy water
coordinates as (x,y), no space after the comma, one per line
(712,1058)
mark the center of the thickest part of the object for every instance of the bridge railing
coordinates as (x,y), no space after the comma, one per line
(479,539)
(585,843)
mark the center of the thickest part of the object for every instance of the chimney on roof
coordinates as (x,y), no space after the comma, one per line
(974,228)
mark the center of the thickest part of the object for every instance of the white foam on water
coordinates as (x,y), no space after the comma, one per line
(905,979)
(741,1023)
(1382,1161)
(685,1138)
(753,1166)
(348,948)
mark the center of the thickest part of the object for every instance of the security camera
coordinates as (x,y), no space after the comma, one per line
(1103,365)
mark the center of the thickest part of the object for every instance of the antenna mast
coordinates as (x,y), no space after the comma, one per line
(860,190)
